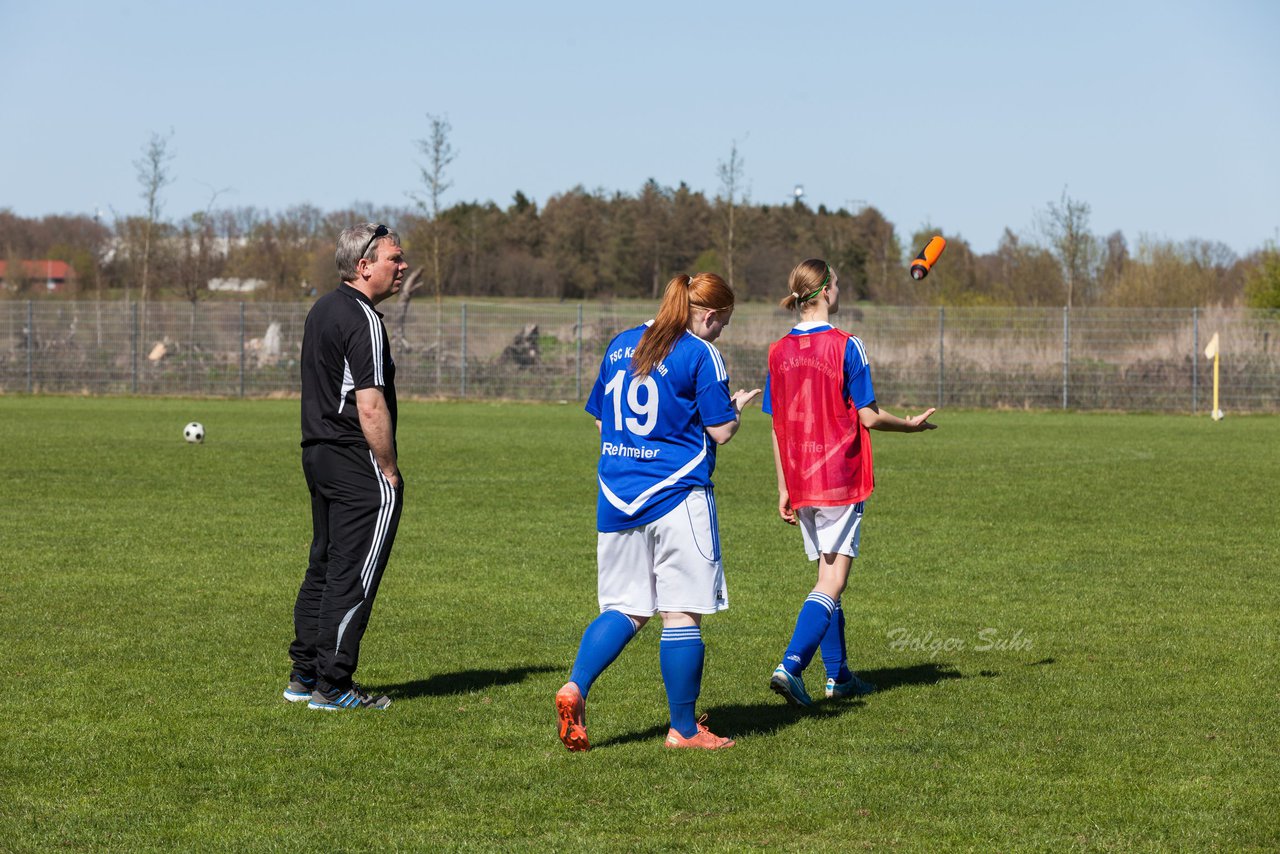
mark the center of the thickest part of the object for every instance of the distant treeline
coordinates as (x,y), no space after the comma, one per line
(584,244)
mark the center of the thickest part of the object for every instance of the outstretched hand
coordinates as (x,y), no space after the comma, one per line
(921,421)
(741,399)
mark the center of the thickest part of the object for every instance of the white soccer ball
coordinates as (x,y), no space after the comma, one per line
(193,432)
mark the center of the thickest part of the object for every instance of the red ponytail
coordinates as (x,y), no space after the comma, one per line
(683,294)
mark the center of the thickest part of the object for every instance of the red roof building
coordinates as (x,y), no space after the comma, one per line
(54,274)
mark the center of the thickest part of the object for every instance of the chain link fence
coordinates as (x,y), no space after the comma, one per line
(1092,358)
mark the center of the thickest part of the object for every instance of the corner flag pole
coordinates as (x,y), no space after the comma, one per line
(1211,352)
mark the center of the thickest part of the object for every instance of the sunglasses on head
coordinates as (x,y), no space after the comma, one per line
(380,231)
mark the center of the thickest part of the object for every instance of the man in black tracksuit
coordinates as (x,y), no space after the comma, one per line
(349,459)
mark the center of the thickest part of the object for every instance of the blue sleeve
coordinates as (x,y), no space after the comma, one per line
(595,401)
(711,383)
(764,402)
(857,374)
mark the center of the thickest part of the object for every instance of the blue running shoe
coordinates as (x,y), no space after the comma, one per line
(790,687)
(299,687)
(354,697)
(855,687)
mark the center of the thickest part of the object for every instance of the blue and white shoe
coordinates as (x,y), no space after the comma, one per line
(855,687)
(790,687)
(354,697)
(299,688)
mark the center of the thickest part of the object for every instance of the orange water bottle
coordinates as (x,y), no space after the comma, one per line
(928,256)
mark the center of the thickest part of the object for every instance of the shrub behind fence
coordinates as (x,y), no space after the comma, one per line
(1092,358)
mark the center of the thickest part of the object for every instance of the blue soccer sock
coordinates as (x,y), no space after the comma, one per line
(834,655)
(811,625)
(680,656)
(601,643)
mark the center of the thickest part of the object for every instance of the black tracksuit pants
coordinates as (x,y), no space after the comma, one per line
(354,516)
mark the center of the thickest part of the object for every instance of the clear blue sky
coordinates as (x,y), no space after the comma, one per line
(1163,116)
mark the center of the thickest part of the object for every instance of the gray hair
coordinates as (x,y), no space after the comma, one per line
(357,238)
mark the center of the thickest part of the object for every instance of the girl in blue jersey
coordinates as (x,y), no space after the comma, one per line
(820,395)
(662,404)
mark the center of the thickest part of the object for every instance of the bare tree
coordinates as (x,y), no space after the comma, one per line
(1021,272)
(411,283)
(1066,224)
(439,153)
(199,247)
(153,176)
(731,177)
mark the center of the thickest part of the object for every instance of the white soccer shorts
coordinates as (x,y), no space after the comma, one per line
(831,530)
(671,564)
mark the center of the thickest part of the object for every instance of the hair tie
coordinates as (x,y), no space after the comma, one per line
(813,293)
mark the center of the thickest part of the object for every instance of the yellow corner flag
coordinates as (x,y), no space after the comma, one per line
(1211,352)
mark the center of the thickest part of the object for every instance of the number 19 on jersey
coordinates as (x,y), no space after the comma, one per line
(641,400)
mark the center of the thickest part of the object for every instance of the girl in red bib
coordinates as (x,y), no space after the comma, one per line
(823,404)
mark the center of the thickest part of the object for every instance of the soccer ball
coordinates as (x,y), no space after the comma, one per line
(193,432)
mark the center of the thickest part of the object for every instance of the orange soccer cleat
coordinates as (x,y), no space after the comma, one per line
(703,739)
(571,710)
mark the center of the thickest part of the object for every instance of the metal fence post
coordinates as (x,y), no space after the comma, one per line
(1066,351)
(579,341)
(942,326)
(1195,360)
(242,349)
(31,346)
(464,350)
(133,347)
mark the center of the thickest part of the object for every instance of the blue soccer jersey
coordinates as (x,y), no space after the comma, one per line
(857,370)
(653,443)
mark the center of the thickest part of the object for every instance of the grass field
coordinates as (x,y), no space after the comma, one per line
(1073,619)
